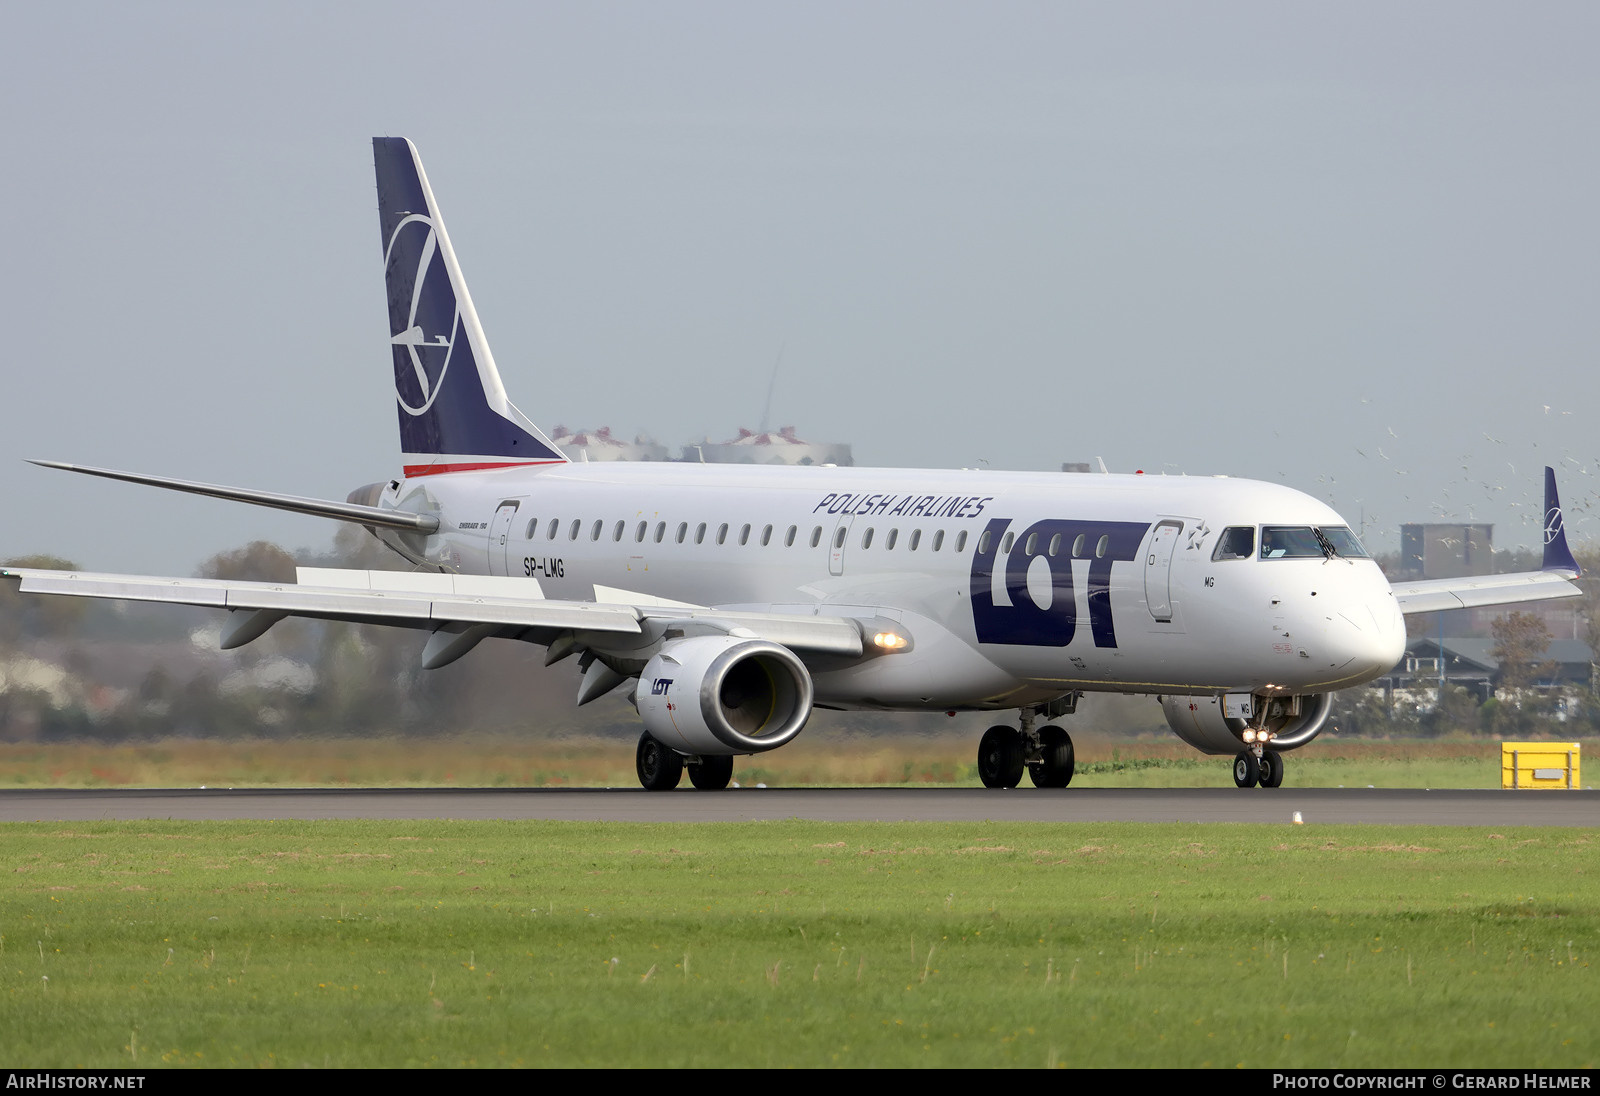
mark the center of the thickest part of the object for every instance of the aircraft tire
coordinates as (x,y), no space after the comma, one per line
(1056,759)
(659,768)
(1271,769)
(1246,770)
(712,774)
(1000,757)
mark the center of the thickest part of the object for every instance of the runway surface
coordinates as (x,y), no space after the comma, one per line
(1388,806)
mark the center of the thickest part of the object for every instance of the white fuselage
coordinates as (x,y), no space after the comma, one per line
(1013,587)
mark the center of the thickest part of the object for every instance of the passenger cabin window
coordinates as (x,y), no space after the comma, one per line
(983,543)
(866,539)
(1101,545)
(888,541)
(1006,542)
(938,539)
(816,536)
(616,534)
(1055,545)
(700,533)
(594,534)
(838,538)
(555,523)
(1029,544)
(1236,542)
(661,530)
(744,535)
(916,539)
(766,536)
(788,541)
(1077,546)
(577,524)
(638,532)
(533,527)
(961,540)
(722,533)
(683,530)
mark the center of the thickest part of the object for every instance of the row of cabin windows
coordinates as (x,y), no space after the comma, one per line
(642,532)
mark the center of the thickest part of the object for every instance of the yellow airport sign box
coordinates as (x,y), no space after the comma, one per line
(1539,765)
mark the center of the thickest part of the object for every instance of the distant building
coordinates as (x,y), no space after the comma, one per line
(1470,663)
(1442,550)
(768,448)
(596,445)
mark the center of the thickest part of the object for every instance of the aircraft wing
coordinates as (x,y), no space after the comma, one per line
(460,610)
(1435,594)
(1552,580)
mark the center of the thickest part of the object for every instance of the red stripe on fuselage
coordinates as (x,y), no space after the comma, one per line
(414,470)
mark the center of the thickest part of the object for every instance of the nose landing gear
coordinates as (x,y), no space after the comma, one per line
(1256,765)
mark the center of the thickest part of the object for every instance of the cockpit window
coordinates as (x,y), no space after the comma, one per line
(1310,542)
(1236,542)
(1344,541)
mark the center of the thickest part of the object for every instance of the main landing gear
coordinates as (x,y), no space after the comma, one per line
(660,768)
(1256,765)
(1046,753)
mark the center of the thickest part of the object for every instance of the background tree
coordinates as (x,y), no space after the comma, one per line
(1520,643)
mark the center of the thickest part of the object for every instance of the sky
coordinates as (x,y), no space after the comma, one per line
(1352,247)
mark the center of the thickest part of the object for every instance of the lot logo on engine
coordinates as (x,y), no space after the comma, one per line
(660,685)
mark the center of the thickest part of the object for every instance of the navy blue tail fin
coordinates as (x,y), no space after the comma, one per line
(1557,556)
(454,413)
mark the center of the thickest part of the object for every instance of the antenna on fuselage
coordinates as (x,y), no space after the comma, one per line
(1101,461)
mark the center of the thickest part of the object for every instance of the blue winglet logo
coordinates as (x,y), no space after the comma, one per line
(1557,556)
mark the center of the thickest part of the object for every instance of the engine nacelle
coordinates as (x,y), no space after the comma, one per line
(1203,723)
(724,695)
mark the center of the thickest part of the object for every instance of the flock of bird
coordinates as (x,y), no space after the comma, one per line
(1470,497)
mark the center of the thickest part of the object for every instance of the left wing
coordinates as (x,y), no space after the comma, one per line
(1552,580)
(1434,594)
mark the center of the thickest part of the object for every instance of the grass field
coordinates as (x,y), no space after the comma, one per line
(490,761)
(796,944)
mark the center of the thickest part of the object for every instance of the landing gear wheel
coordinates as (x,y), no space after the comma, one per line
(1246,770)
(1056,760)
(711,774)
(1000,757)
(659,768)
(1271,769)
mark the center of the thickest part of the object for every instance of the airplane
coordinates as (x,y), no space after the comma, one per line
(732,600)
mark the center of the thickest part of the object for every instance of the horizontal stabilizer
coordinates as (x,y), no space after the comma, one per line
(322,508)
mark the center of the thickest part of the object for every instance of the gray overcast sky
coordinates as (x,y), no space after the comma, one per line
(1350,247)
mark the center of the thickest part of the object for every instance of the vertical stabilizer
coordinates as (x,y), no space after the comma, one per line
(454,413)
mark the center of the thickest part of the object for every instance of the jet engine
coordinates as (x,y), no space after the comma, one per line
(723,695)
(1203,722)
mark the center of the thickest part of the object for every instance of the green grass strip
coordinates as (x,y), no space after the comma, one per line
(143,944)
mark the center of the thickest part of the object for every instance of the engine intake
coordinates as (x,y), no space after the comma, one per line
(1201,722)
(721,695)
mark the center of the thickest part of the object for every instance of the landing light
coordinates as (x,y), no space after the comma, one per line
(889,641)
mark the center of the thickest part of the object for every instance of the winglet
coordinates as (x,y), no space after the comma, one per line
(1557,556)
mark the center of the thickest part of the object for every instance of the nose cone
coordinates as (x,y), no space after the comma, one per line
(1363,635)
